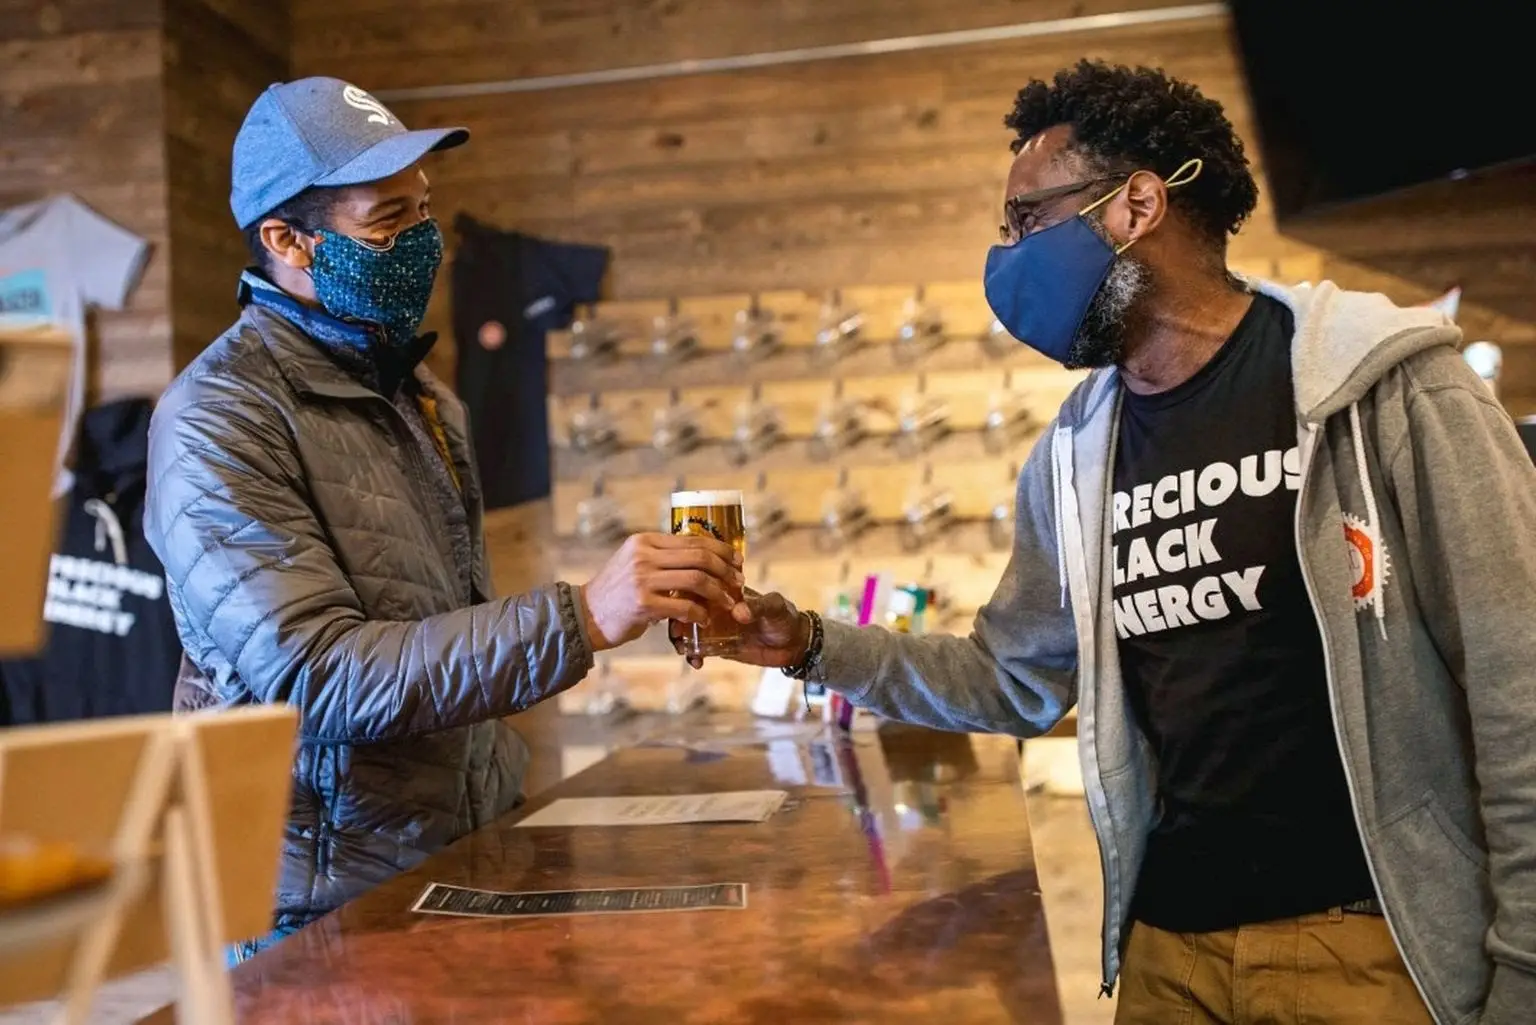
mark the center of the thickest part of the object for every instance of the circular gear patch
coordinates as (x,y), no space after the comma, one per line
(1363,541)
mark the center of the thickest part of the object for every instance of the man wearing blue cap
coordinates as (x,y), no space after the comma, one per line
(314,499)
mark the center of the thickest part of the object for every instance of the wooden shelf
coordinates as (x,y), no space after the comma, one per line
(649,681)
(796,314)
(962,307)
(876,546)
(568,377)
(653,646)
(886,377)
(716,459)
(965,576)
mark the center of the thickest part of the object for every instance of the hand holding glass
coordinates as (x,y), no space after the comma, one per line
(717,514)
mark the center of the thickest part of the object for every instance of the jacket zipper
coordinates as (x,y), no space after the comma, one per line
(402,434)
(1333,707)
(1098,803)
(401,430)
(322,830)
(323,848)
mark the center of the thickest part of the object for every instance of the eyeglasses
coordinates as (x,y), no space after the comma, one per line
(1017,210)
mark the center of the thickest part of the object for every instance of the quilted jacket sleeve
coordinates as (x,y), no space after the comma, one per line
(263,604)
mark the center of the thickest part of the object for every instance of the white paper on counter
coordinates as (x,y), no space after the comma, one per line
(775,695)
(660,810)
(725,736)
(785,764)
(576,758)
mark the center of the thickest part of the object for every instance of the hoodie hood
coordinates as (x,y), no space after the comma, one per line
(111,463)
(113,446)
(1345,342)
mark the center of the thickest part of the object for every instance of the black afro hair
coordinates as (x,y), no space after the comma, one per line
(1128,119)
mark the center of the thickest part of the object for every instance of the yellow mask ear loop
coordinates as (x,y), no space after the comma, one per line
(1187,172)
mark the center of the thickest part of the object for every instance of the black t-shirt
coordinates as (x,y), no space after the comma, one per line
(509,290)
(1220,649)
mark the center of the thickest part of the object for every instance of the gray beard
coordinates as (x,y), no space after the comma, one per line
(1100,340)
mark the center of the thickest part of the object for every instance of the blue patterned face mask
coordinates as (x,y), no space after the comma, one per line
(387,285)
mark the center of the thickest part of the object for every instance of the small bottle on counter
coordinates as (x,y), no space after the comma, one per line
(901,611)
(920,613)
(842,609)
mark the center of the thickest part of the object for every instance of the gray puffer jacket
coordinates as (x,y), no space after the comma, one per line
(310,561)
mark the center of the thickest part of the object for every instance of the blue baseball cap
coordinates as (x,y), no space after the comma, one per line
(320,131)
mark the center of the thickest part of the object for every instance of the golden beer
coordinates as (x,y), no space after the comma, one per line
(715,514)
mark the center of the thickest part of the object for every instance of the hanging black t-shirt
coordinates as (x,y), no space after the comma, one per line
(1220,650)
(509,291)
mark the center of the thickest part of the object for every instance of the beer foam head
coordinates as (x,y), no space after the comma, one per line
(683,499)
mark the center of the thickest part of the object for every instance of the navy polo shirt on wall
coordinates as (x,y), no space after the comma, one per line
(509,291)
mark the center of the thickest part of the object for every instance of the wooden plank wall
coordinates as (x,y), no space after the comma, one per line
(877,170)
(870,171)
(881,171)
(81,110)
(133,105)
(397,44)
(219,56)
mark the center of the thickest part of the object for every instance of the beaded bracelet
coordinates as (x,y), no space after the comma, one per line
(812,659)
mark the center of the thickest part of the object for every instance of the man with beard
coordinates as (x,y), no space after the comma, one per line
(313,497)
(1278,550)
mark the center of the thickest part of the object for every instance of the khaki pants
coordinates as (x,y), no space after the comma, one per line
(1325,969)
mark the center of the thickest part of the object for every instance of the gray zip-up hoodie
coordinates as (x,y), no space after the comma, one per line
(1426,606)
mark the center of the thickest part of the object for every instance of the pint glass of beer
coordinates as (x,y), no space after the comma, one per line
(717,514)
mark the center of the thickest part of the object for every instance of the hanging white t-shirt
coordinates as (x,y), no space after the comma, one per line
(59,258)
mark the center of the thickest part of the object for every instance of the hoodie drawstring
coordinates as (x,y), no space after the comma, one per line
(108,527)
(1061,448)
(1378,597)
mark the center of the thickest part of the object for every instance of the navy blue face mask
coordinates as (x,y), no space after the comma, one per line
(1041,287)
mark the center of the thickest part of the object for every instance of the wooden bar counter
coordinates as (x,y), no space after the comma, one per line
(896,885)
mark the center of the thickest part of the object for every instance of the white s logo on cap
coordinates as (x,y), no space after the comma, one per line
(377,113)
